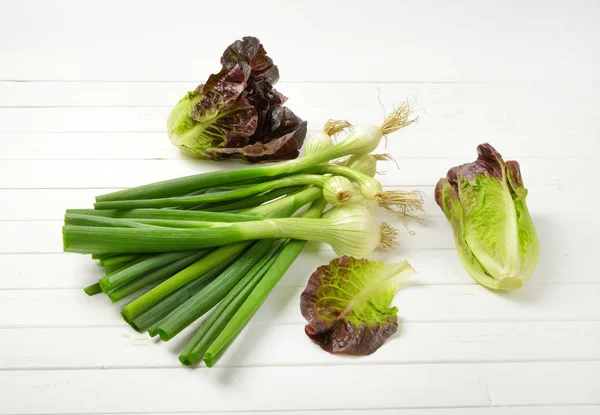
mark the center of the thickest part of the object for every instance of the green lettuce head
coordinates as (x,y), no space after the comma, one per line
(485,203)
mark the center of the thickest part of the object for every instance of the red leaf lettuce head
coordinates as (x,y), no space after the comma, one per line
(237,113)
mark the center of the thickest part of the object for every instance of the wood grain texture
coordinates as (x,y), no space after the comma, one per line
(120,347)
(422,303)
(254,388)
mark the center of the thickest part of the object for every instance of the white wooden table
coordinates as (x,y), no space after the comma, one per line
(85,88)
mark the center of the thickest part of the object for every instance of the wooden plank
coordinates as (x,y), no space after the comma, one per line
(562,259)
(513,410)
(241,389)
(546,302)
(44,204)
(559,383)
(459,96)
(434,118)
(421,303)
(156,145)
(109,174)
(24,204)
(286,345)
(465,114)
(37,271)
(437,234)
(80,146)
(150,47)
(49,236)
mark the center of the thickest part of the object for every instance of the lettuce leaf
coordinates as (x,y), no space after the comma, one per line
(347,304)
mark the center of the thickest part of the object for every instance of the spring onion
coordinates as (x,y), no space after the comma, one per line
(154,276)
(189,201)
(210,295)
(115,280)
(224,311)
(338,190)
(350,231)
(260,293)
(198,270)
(324,139)
(164,306)
(93,289)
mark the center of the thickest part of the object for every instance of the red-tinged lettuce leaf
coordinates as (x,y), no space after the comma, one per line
(485,202)
(249,51)
(220,92)
(237,113)
(263,97)
(285,147)
(347,304)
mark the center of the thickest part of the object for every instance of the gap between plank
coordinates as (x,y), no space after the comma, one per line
(369,82)
(407,284)
(298,323)
(300,365)
(333,410)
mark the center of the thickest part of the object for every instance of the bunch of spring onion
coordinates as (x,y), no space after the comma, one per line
(222,240)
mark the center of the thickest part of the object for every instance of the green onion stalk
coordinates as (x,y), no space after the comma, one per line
(214,292)
(190,201)
(198,270)
(117,260)
(122,277)
(224,311)
(165,214)
(236,206)
(154,277)
(254,299)
(163,306)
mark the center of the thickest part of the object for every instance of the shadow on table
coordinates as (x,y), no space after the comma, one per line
(252,335)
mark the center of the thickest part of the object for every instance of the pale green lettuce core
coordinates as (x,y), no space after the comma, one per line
(494,234)
(189,135)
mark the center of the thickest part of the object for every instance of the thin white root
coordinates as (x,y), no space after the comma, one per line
(385,157)
(388,236)
(399,118)
(334,127)
(407,204)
